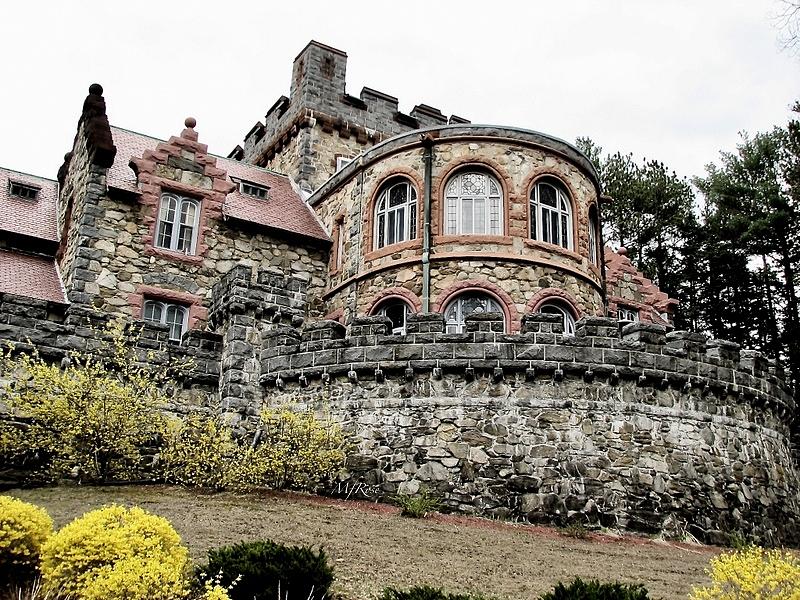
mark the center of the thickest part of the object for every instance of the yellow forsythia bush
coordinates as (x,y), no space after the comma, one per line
(23,529)
(752,574)
(116,553)
(199,451)
(297,450)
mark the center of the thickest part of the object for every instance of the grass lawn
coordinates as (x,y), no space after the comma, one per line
(371,546)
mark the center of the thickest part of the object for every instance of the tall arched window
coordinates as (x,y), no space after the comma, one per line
(473,205)
(558,307)
(594,237)
(461,307)
(177,223)
(551,214)
(396,214)
(396,310)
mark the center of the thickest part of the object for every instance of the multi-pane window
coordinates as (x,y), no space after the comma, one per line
(396,215)
(554,307)
(168,313)
(551,214)
(23,191)
(178,218)
(466,304)
(473,205)
(397,311)
(594,245)
(627,313)
(251,189)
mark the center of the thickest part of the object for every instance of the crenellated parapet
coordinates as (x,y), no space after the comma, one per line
(633,428)
(640,352)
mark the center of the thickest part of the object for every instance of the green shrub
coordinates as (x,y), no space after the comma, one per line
(115,553)
(424,592)
(594,590)
(23,529)
(264,568)
(417,506)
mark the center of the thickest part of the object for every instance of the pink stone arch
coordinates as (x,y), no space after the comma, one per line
(546,294)
(395,292)
(505,301)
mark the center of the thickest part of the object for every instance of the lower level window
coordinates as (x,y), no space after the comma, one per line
(176,316)
(626,313)
(555,307)
(396,311)
(463,306)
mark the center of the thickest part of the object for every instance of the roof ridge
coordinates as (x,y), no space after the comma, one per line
(225,158)
(27,174)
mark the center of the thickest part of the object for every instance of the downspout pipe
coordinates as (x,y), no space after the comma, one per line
(427,158)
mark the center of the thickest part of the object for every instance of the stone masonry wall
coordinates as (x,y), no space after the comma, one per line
(518,270)
(644,431)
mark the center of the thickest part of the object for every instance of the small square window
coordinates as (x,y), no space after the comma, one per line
(342,162)
(254,190)
(23,191)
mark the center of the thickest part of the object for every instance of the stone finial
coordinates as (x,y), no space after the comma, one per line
(189,133)
(622,251)
(96,89)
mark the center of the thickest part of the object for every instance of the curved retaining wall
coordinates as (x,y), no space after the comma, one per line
(644,431)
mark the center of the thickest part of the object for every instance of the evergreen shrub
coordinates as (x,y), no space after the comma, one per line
(115,553)
(265,568)
(24,528)
(595,590)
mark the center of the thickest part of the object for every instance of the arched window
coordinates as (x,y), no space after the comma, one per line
(594,237)
(461,307)
(168,313)
(177,223)
(473,205)
(558,307)
(396,310)
(396,214)
(551,214)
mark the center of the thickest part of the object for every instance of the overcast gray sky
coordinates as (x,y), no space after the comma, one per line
(673,80)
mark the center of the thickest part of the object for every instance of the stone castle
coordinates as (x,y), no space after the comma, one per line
(440,288)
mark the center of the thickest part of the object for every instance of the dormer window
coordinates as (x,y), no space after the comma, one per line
(20,190)
(251,189)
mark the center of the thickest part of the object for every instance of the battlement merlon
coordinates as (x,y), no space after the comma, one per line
(318,96)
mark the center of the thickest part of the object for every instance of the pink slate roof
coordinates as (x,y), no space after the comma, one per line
(30,276)
(35,218)
(284,209)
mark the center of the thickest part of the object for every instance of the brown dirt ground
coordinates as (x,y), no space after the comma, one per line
(372,546)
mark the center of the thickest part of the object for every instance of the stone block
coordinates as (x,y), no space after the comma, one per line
(647,333)
(425,323)
(539,322)
(323,330)
(723,350)
(485,322)
(370,325)
(591,326)
(687,341)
